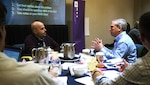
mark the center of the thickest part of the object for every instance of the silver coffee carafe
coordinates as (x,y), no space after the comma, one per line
(68,50)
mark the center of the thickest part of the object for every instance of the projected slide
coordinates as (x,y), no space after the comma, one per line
(24,12)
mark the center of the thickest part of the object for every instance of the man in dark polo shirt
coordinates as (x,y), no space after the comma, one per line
(39,38)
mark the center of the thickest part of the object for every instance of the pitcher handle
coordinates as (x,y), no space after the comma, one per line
(33,52)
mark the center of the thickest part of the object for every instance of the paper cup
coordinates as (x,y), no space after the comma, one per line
(99,56)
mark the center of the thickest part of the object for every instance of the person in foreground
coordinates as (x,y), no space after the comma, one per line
(39,38)
(17,73)
(124,46)
(137,73)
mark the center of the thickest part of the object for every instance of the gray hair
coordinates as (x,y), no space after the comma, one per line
(121,23)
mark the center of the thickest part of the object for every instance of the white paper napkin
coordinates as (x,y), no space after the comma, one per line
(63,79)
(111,74)
(85,80)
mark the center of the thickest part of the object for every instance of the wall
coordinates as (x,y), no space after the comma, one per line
(100,14)
(69,4)
(141,6)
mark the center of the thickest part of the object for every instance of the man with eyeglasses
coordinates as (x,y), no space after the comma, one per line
(137,73)
(124,46)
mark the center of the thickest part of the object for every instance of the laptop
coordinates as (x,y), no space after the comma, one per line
(13,52)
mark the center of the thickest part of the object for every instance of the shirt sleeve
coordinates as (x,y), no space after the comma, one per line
(117,52)
(47,79)
(99,79)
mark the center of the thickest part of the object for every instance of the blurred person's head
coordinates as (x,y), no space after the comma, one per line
(3,12)
(128,28)
(136,25)
(38,29)
(118,26)
(144,28)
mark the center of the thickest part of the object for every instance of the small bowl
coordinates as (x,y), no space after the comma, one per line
(79,70)
(86,51)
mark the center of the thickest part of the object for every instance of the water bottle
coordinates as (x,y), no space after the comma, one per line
(56,63)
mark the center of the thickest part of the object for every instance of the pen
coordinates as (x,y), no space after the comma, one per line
(49,68)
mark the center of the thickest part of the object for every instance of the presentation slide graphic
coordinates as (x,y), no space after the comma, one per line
(24,12)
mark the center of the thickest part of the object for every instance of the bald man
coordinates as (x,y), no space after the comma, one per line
(18,73)
(39,38)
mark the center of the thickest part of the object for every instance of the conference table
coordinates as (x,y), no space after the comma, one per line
(109,71)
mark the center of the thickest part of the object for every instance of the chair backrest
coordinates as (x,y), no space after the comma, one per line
(141,50)
(21,46)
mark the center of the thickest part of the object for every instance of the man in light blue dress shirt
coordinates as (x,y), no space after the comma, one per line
(137,73)
(124,46)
